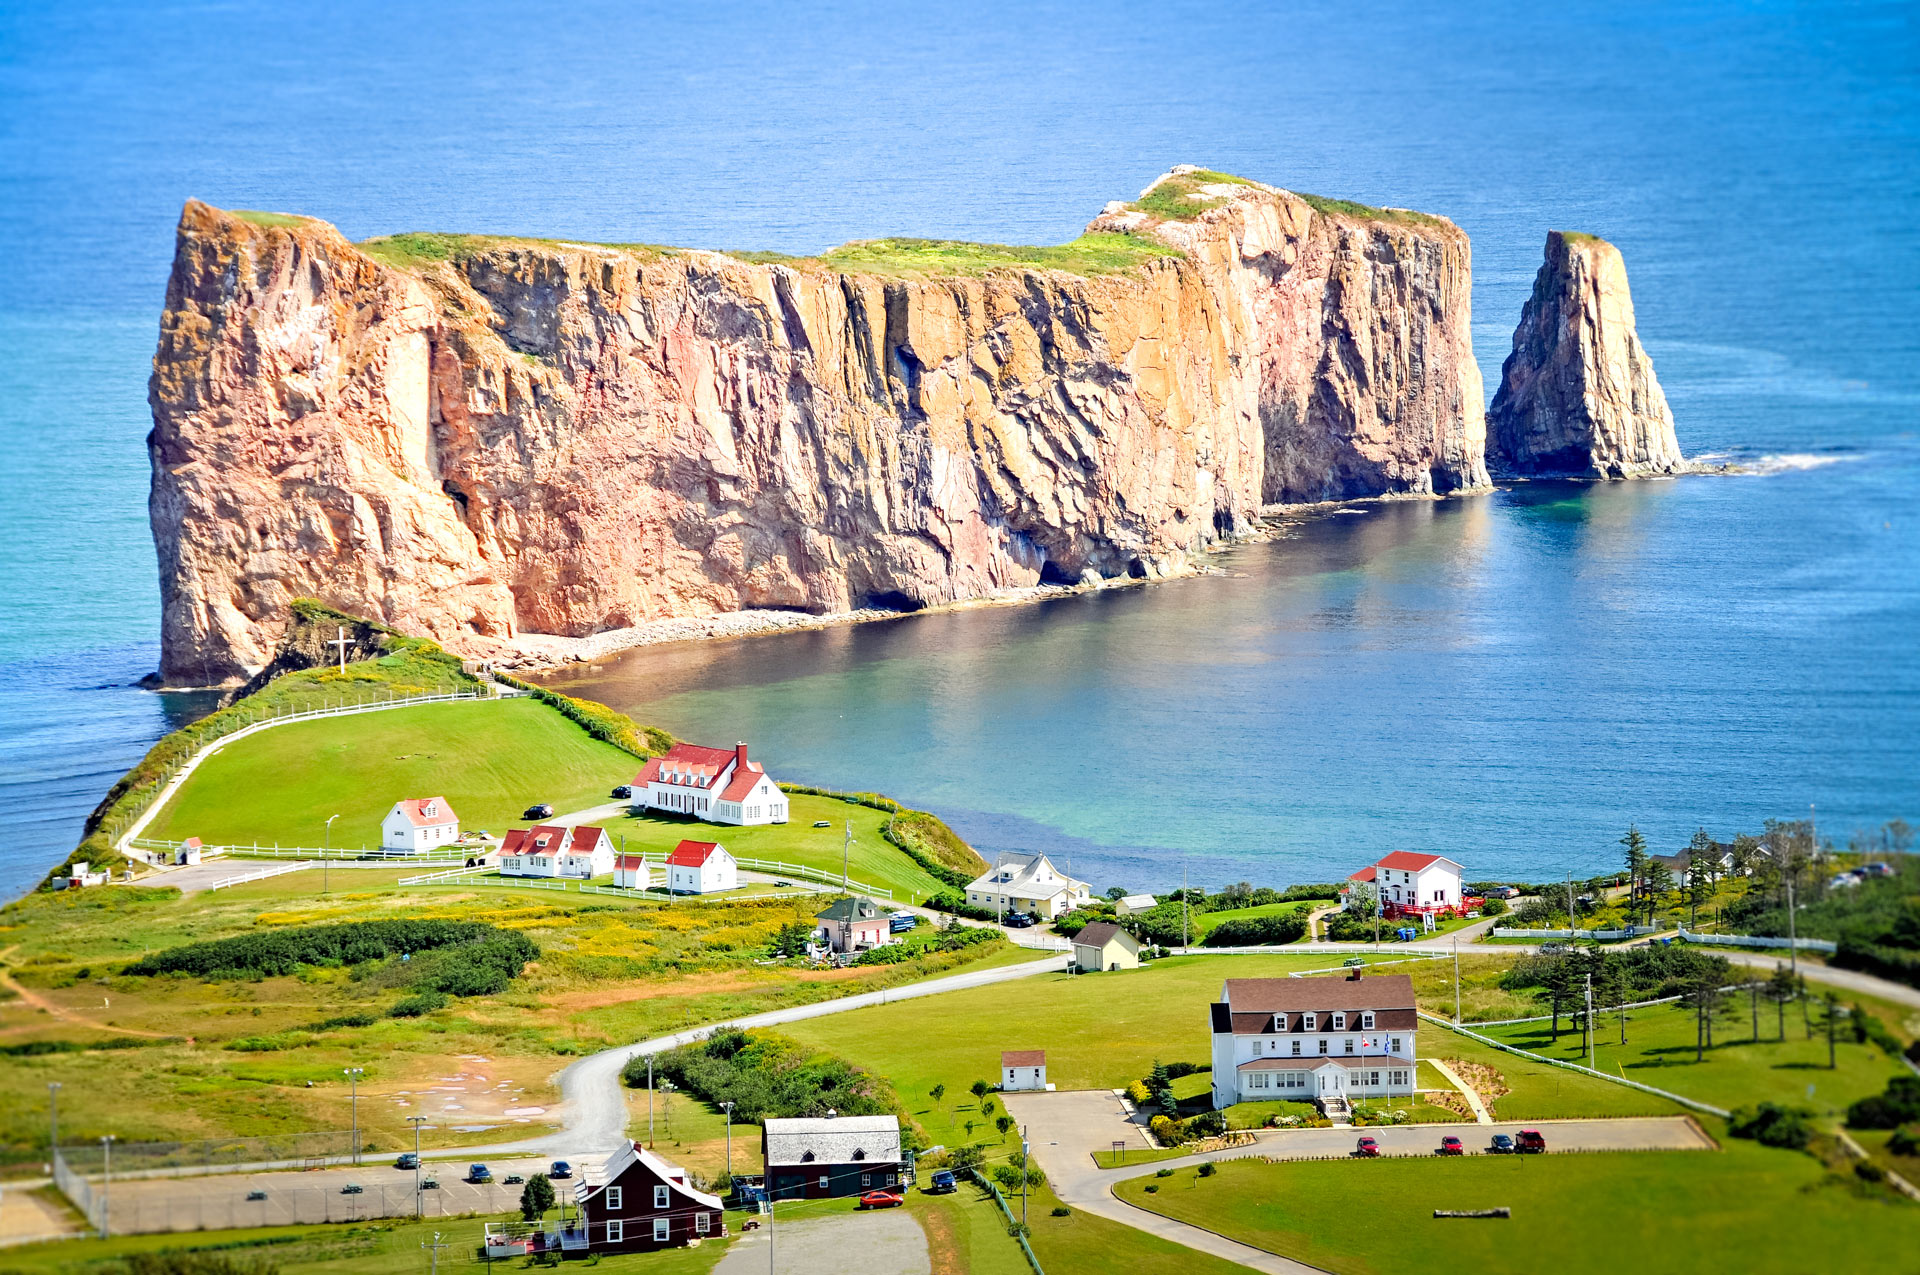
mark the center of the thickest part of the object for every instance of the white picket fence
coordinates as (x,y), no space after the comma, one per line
(779,868)
(247,878)
(1757,940)
(1604,936)
(1682,1099)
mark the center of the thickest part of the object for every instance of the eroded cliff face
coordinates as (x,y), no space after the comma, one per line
(532,437)
(1578,396)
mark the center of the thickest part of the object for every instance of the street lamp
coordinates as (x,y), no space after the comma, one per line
(325,847)
(106,1185)
(353,1075)
(419,1204)
(728,1108)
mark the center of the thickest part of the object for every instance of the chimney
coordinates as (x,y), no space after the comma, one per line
(1353,974)
(740,755)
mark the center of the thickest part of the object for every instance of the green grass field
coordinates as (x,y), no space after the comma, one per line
(1205,922)
(489,760)
(1745,1208)
(1660,1052)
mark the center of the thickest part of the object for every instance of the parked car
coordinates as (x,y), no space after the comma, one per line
(1501,1145)
(901,921)
(1020,920)
(1451,1146)
(479,1173)
(513,1179)
(943,1181)
(881,1200)
(560,1171)
(352,1188)
(623,792)
(256,1195)
(429,1184)
(540,811)
(1366,1147)
(1530,1140)
(407,1160)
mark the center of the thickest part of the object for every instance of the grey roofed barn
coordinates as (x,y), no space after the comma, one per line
(832,1140)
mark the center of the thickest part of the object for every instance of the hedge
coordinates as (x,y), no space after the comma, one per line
(480,958)
(1254,931)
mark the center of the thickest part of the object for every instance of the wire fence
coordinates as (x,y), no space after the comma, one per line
(1013,1223)
(1757,940)
(1684,1101)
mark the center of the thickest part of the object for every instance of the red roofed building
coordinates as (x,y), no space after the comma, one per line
(701,867)
(1410,884)
(418,825)
(553,851)
(1323,1040)
(632,872)
(717,785)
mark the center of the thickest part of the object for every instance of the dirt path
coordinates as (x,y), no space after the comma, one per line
(65,1015)
(1480,1112)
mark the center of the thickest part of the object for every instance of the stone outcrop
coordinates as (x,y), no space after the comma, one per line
(479,439)
(1578,397)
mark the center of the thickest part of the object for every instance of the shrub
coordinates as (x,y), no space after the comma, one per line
(1061,1210)
(417,1005)
(276,953)
(1905,1141)
(1153,1188)
(1493,907)
(599,721)
(1137,1092)
(1898,1105)
(1208,1124)
(1166,1130)
(1164,1173)
(1868,1171)
(1207,1170)
(1175,1070)
(343,1020)
(765,1074)
(1255,931)
(955,903)
(1772,1125)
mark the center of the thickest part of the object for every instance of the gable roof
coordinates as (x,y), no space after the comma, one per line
(1409,861)
(1101,933)
(1270,996)
(585,839)
(694,765)
(629,862)
(1023,1058)
(1365,874)
(744,778)
(631,1156)
(850,909)
(832,1140)
(694,854)
(1015,873)
(426,812)
(1140,901)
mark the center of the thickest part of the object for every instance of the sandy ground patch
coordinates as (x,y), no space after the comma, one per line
(887,1242)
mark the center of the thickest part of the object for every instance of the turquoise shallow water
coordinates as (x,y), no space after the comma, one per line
(1516,674)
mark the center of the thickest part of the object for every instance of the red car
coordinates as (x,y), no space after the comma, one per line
(881,1200)
(1367,1146)
(1530,1142)
(1451,1146)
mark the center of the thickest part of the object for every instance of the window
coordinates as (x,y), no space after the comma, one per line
(662,1230)
(1323,1044)
(1356,1079)
(702,1223)
(1296,1049)
(1339,1022)
(1373,1079)
(823,1181)
(1393,1044)
(616,1231)
(1311,1019)
(662,1198)
(866,1180)
(1349,1046)
(1366,1021)
(613,1197)
(1256,1049)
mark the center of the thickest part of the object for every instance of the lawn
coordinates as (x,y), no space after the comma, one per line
(1536,1091)
(1083,1244)
(1096,254)
(1204,922)
(1736,1071)
(1745,1208)
(872,860)
(490,760)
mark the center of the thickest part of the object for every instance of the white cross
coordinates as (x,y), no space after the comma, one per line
(343,642)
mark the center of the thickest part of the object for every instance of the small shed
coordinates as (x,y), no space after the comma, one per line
(1105,946)
(1022,1069)
(630,871)
(187,852)
(1135,903)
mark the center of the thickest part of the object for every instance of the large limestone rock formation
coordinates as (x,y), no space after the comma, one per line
(479,439)
(1578,396)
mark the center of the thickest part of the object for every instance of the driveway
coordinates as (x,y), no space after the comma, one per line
(1066,1130)
(886,1242)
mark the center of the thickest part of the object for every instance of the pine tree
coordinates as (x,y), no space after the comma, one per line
(1781,988)
(1636,867)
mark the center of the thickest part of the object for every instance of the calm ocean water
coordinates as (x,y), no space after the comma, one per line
(1513,676)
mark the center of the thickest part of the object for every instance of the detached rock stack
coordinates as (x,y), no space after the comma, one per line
(1578,397)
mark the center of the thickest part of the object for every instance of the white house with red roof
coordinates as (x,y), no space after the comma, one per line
(553,851)
(418,825)
(1322,1040)
(1409,882)
(701,867)
(632,872)
(717,785)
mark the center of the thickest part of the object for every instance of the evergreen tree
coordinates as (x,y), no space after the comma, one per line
(1781,988)
(1659,886)
(1636,867)
(1700,872)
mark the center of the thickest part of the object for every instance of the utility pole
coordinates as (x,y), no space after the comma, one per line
(1830,1015)
(728,1108)
(353,1075)
(650,1102)
(436,1246)
(419,1196)
(1793,943)
(1589,1022)
(1573,919)
(846,846)
(326,846)
(106,1182)
(1184,940)
(1456,978)
(53,1115)
(1024,1171)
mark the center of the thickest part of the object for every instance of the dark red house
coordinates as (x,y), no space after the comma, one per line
(637,1202)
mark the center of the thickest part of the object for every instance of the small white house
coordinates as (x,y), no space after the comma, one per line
(1407,882)
(1135,903)
(419,825)
(715,785)
(550,851)
(701,867)
(1023,1069)
(631,872)
(80,876)
(1026,883)
(188,852)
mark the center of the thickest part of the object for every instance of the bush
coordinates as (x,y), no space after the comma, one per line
(1772,1125)
(1152,1188)
(343,1020)
(955,904)
(938,850)
(1256,931)
(1137,1092)
(1868,1171)
(1175,1070)
(417,1005)
(279,952)
(1010,1176)
(1164,1173)
(1207,1170)
(1166,1130)
(1348,927)
(952,940)
(1898,1105)
(1061,1210)
(599,721)
(1905,1141)
(1208,1124)
(1493,907)
(768,1075)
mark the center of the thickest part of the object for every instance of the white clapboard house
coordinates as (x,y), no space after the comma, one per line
(1323,1040)
(550,851)
(419,825)
(714,785)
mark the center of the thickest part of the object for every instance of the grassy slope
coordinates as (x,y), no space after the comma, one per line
(1745,1208)
(489,760)
(1204,922)
(873,860)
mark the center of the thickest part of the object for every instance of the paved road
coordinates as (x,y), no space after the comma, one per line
(1068,1129)
(596,1109)
(887,1242)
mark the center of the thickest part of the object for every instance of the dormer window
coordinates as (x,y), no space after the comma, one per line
(1339,1022)
(806,1156)
(1366,1021)
(859,1153)
(1279,1022)
(1310,1022)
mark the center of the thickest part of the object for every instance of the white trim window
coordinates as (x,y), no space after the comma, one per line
(1311,1020)
(1339,1022)
(1393,1044)
(702,1223)
(662,1197)
(662,1230)
(613,1197)
(1256,1048)
(1349,1045)
(1323,1044)
(1296,1049)
(1366,1021)
(616,1232)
